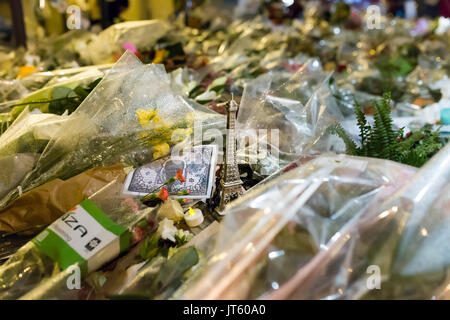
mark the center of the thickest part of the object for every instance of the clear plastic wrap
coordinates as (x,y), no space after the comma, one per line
(288,116)
(105,130)
(142,34)
(43,99)
(162,277)
(276,229)
(12,90)
(22,143)
(31,274)
(403,240)
(38,80)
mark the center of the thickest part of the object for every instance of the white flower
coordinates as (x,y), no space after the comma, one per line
(167,230)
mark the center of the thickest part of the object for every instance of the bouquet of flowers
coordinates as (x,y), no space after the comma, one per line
(131,116)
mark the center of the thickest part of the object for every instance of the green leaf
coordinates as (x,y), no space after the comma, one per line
(218,84)
(62,97)
(150,248)
(172,270)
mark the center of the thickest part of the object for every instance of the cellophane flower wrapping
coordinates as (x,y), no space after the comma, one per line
(285,117)
(396,250)
(105,130)
(142,34)
(274,231)
(22,143)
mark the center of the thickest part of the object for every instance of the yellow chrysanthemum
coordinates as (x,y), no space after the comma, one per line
(161,150)
(147,116)
(144,116)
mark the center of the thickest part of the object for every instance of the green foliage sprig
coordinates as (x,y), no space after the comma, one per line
(382,141)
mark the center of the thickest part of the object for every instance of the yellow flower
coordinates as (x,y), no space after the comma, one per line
(147,116)
(161,150)
(144,116)
(156,118)
(25,71)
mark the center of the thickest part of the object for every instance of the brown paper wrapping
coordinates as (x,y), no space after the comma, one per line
(46,203)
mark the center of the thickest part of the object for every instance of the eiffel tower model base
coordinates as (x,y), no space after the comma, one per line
(229,192)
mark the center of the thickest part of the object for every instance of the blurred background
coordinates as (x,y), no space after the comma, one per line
(35,19)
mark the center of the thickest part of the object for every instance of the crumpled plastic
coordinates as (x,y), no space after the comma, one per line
(158,278)
(22,143)
(104,129)
(276,229)
(30,274)
(39,80)
(142,34)
(396,250)
(286,116)
(12,90)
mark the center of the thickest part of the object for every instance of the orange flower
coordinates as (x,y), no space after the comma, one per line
(179,176)
(163,194)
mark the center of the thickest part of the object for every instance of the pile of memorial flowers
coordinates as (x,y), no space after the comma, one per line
(356,177)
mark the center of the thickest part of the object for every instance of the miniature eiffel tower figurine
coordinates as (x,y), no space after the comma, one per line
(230,183)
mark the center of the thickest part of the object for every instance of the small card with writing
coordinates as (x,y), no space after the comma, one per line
(198,164)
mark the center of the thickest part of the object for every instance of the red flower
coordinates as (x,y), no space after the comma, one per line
(179,176)
(163,194)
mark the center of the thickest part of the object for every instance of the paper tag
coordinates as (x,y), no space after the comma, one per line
(83,235)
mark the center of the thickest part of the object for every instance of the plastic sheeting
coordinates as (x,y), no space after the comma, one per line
(285,117)
(104,129)
(31,273)
(396,250)
(279,228)
(142,34)
(22,144)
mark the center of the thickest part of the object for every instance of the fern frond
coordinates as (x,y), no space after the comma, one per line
(382,141)
(364,129)
(350,145)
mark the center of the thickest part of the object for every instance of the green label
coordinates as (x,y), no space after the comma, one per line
(84,235)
